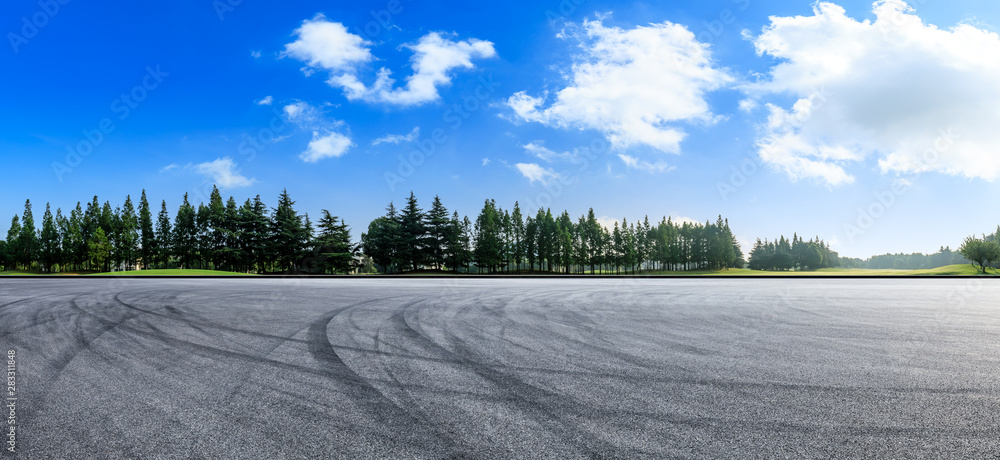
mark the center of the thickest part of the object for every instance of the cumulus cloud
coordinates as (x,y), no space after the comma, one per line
(222,172)
(536,173)
(398,138)
(634,85)
(326,142)
(914,97)
(326,45)
(326,145)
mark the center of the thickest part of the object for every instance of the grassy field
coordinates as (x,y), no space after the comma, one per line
(950,270)
(171,272)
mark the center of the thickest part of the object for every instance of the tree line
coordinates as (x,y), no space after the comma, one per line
(507,241)
(792,254)
(217,235)
(254,238)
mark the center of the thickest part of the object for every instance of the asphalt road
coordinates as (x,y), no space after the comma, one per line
(504,368)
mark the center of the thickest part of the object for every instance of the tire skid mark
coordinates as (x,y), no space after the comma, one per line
(527,398)
(359,389)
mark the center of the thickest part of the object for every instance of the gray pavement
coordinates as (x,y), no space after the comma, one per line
(504,368)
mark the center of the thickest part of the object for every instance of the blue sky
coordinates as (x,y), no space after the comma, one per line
(867,125)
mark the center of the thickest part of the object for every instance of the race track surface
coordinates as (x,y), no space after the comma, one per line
(504,368)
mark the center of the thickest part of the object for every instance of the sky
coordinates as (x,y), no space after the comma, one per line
(869,125)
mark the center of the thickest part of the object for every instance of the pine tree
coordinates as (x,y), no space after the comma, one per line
(28,238)
(128,234)
(147,238)
(49,241)
(287,234)
(184,237)
(164,237)
(414,241)
(437,234)
(333,244)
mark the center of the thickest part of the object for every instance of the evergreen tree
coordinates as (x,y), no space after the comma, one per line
(27,242)
(333,244)
(184,237)
(49,241)
(287,234)
(164,238)
(438,234)
(413,247)
(147,238)
(128,234)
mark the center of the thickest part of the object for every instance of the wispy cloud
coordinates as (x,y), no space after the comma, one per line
(267,100)
(398,138)
(222,172)
(536,173)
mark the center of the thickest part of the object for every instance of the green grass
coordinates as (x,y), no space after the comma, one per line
(948,270)
(173,272)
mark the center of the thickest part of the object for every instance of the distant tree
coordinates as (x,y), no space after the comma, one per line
(439,234)
(49,241)
(333,245)
(12,255)
(287,234)
(147,237)
(100,249)
(184,237)
(413,247)
(163,245)
(379,242)
(27,242)
(128,234)
(980,251)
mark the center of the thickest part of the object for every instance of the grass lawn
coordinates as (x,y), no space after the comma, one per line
(174,272)
(171,272)
(948,270)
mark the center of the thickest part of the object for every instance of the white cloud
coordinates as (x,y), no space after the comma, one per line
(327,145)
(486,161)
(534,172)
(326,142)
(643,165)
(169,167)
(222,172)
(550,156)
(748,105)
(632,85)
(255,54)
(326,45)
(914,97)
(266,101)
(398,138)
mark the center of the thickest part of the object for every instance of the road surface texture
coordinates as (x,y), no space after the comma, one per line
(504,368)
